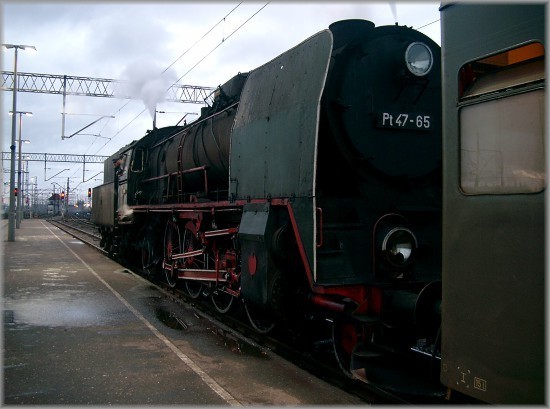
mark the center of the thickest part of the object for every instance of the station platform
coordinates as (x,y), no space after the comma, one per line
(81,329)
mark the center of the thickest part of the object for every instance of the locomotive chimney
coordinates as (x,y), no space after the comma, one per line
(345,31)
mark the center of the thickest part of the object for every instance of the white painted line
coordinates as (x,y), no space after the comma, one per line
(188,361)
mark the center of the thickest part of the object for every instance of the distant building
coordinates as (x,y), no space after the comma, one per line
(53,204)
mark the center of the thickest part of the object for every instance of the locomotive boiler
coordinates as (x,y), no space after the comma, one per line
(310,187)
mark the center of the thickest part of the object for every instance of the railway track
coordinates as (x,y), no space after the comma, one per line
(297,345)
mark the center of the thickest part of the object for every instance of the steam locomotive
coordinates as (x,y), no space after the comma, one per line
(310,186)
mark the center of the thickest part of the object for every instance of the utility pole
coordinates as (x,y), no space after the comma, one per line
(12,214)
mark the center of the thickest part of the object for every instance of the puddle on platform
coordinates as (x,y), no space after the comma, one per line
(170,319)
(239,346)
(223,337)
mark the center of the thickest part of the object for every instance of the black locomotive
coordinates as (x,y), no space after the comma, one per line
(310,186)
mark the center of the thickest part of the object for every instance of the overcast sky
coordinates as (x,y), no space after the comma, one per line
(137,39)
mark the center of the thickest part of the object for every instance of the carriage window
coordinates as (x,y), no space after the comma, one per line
(502,120)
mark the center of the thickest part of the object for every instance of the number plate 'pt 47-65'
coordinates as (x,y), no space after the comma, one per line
(400,120)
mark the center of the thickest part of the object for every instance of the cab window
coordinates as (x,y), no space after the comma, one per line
(138,160)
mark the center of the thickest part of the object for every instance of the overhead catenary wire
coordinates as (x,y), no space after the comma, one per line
(193,67)
(426,25)
(177,59)
(166,69)
(200,39)
(223,40)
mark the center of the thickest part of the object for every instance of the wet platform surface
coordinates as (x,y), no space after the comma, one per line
(81,329)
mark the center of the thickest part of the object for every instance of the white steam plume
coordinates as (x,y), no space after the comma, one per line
(143,80)
(393,8)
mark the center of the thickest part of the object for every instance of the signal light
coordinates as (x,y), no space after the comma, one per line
(63,195)
(15,191)
(89,192)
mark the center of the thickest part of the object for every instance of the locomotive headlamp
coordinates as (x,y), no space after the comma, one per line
(399,246)
(419,59)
